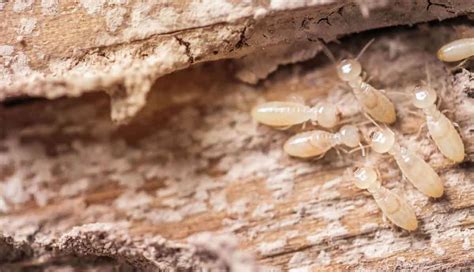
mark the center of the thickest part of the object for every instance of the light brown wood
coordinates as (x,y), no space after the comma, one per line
(56,48)
(193,161)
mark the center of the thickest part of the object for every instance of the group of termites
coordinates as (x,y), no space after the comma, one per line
(377,107)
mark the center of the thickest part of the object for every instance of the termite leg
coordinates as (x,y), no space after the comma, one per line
(387,157)
(351,121)
(342,149)
(389,176)
(447,111)
(418,134)
(366,122)
(363,149)
(282,128)
(399,93)
(319,157)
(417,114)
(365,77)
(461,64)
(439,102)
(404,179)
(338,153)
(378,174)
(371,120)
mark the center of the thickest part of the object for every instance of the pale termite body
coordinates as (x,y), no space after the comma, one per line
(373,101)
(457,50)
(440,128)
(318,142)
(394,207)
(284,114)
(414,168)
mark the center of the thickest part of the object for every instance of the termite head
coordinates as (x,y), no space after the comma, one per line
(349,136)
(326,115)
(423,96)
(349,69)
(365,178)
(382,140)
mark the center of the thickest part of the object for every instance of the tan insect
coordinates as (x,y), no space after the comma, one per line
(318,142)
(284,114)
(440,127)
(394,207)
(372,100)
(457,50)
(414,168)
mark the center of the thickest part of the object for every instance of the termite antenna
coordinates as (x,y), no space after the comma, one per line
(379,174)
(361,147)
(440,97)
(386,127)
(372,120)
(348,174)
(428,77)
(328,52)
(364,49)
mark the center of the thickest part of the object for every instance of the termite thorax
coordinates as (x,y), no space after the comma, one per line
(395,150)
(374,188)
(366,94)
(315,113)
(366,178)
(336,139)
(432,112)
(356,83)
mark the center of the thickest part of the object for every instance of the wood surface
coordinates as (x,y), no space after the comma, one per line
(78,191)
(54,48)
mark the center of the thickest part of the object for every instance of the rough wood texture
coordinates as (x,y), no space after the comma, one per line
(193,161)
(54,48)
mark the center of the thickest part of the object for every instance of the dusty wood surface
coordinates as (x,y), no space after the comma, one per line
(193,161)
(54,48)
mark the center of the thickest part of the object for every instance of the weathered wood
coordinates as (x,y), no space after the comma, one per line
(193,161)
(57,48)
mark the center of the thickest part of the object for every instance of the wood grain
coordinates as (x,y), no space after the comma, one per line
(193,161)
(66,48)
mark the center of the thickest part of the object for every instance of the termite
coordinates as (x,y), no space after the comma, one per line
(318,142)
(373,101)
(394,207)
(440,128)
(457,50)
(414,168)
(285,114)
